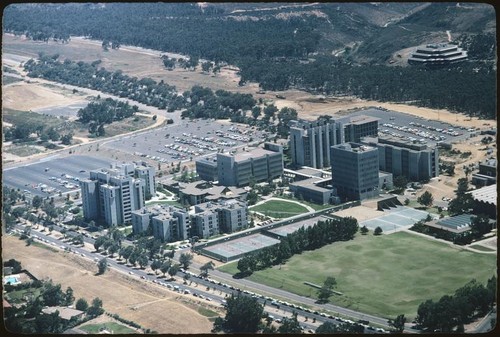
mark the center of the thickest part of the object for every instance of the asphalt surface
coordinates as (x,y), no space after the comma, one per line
(396,118)
(70,110)
(32,177)
(186,139)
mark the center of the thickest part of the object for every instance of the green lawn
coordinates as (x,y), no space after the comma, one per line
(317,207)
(383,275)
(279,209)
(207,312)
(18,295)
(110,326)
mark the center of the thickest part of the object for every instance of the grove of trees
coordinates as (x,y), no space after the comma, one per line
(90,75)
(97,114)
(243,315)
(451,312)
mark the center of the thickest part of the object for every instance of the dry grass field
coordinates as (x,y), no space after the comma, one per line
(146,304)
(141,62)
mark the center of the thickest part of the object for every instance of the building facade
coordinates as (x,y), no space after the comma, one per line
(487,174)
(113,194)
(355,171)
(416,162)
(206,168)
(147,173)
(223,216)
(311,190)
(241,168)
(310,142)
(437,54)
(360,126)
(167,223)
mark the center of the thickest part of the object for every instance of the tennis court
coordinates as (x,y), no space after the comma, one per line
(242,245)
(287,229)
(395,219)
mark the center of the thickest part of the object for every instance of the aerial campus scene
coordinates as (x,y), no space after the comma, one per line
(202,168)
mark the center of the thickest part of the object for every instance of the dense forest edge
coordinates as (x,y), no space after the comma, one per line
(294,56)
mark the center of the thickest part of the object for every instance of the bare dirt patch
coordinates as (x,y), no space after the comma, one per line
(30,96)
(361,213)
(155,308)
(445,186)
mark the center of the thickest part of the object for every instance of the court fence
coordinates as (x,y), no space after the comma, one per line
(264,230)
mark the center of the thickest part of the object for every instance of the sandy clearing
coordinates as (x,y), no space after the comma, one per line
(445,186)
(361,213)
(157,309)
(30,96)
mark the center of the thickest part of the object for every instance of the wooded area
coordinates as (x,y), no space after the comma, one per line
(293,56)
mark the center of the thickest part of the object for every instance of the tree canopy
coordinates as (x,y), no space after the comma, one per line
(243,315)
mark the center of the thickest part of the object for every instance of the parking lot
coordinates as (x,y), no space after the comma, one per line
(411,128)
(187,141)
(52,175)
(70,110)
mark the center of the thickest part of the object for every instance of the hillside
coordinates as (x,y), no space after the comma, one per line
(372,31)
(326,48)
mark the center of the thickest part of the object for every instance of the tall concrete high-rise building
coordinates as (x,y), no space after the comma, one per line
(310,142)
(355,171)
(146,173)
(112,194)
(361,126)
(205,221)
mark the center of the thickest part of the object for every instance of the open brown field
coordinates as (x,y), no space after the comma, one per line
(141,62)
(31,96)
(146,304)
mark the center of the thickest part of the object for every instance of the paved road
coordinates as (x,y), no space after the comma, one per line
(485,324)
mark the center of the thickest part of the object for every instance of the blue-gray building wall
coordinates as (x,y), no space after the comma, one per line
(355,174)
(206,169)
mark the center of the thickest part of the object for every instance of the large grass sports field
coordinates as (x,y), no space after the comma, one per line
(383,275)
(279,209)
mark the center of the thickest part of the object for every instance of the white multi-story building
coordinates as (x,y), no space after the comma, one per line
(112,194)
(168,223)
(224,216)
(310,142)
